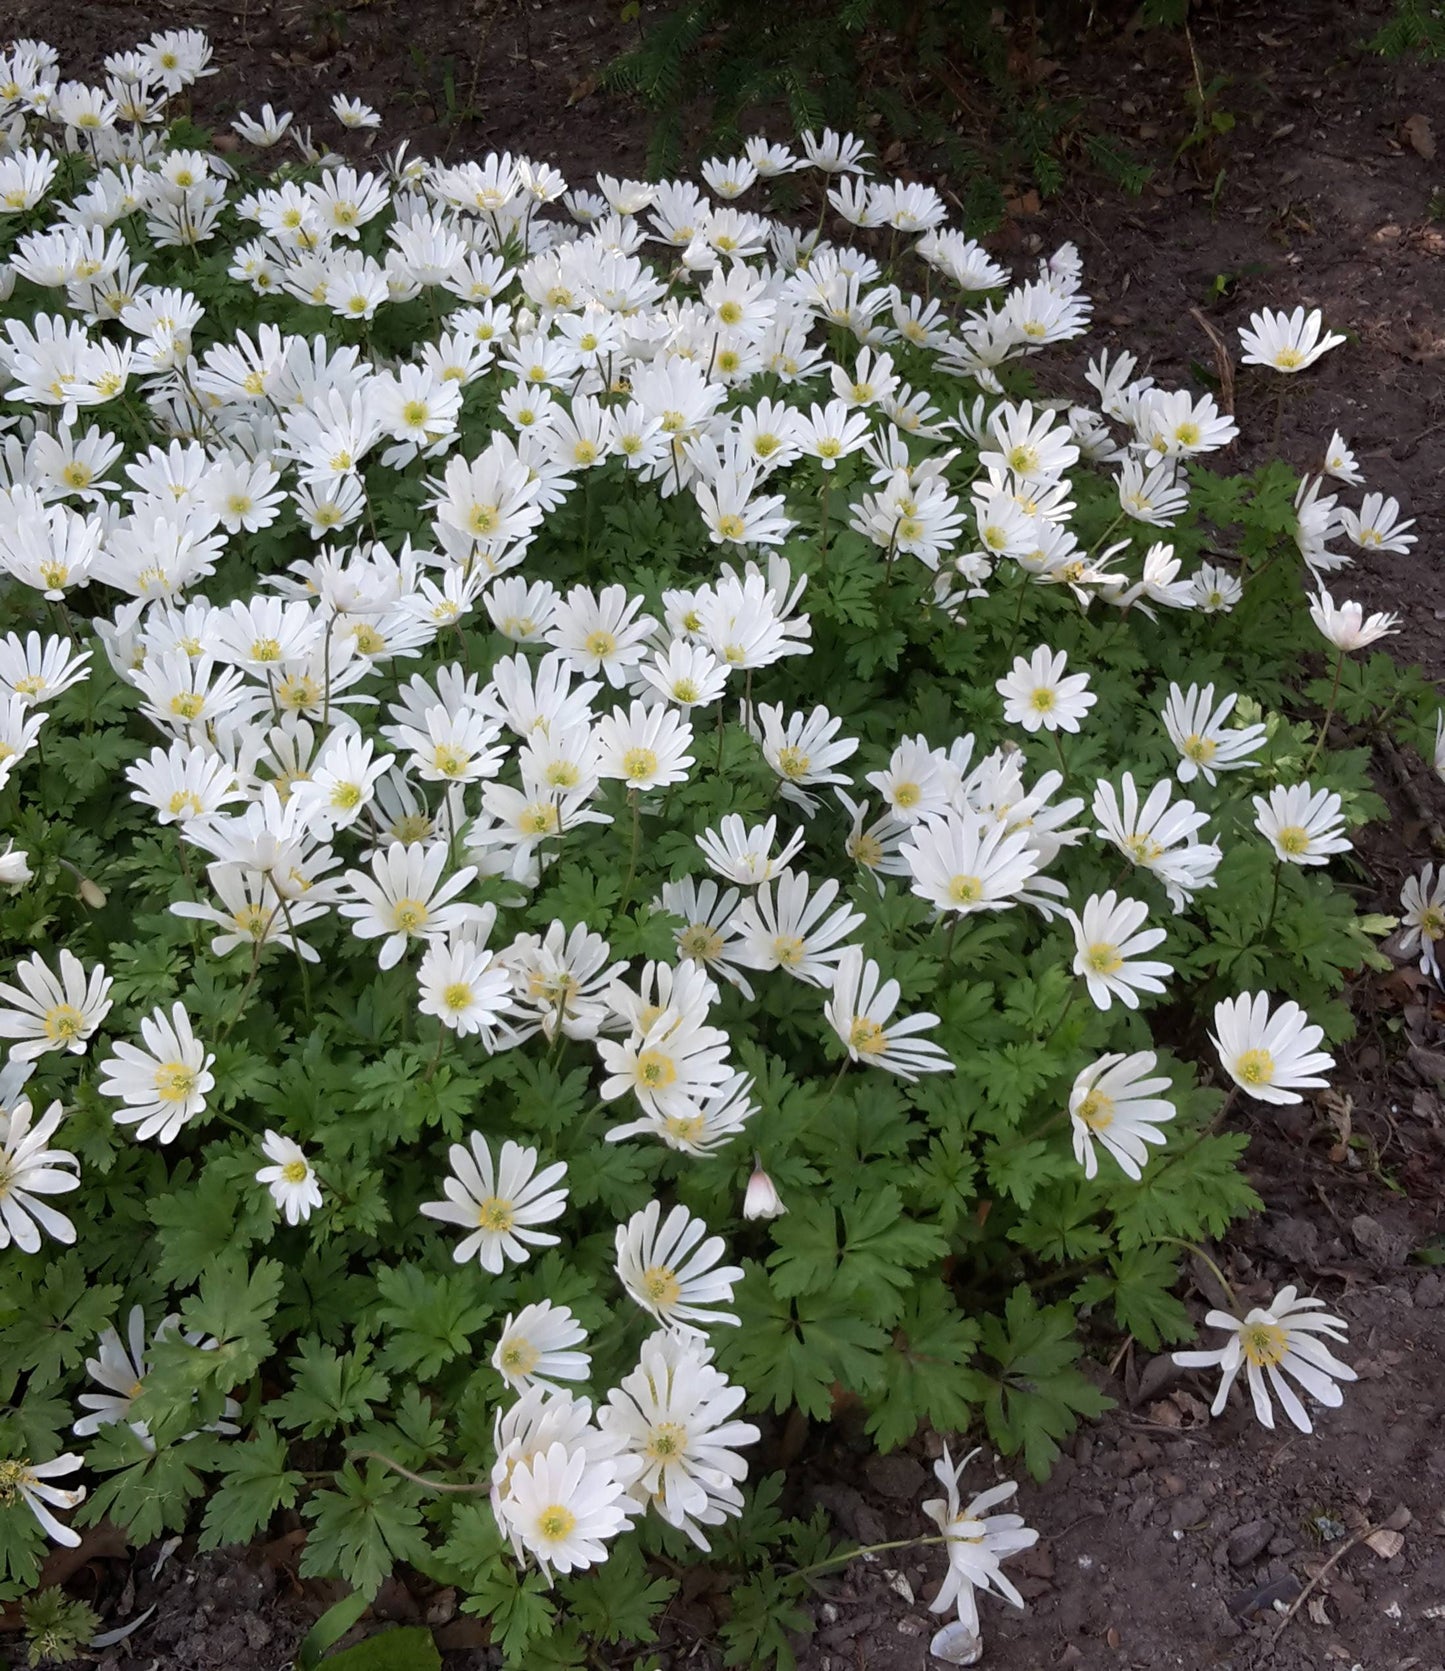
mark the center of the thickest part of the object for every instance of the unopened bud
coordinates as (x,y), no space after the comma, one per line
(762,1199)
(14,868)
(92,893)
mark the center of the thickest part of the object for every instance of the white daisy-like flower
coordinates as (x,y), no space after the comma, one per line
(1304,826)
(499,1203)
(536,1348)
(1115,1102)
(977,1542)
(564,1505)
(1110,940)
(1286,342)
(29,1171)
(670,1268)
(1422,912)
(1196,727)
(1272,1057)
(290,1177)
(1037,692)
(30,1483)
(740,854)
(164,1085)
(1270,1343)
(53,1012)
(858,1009)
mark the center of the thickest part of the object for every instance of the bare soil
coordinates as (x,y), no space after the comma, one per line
(1169,1540)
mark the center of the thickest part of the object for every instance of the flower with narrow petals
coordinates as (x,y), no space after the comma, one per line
(1303,825)
(1286,342)
(977,1542)
(499,1203)
(1196,727)
(1110,940)
(29,1482)
(1347,626)
(536,1348)
(1115,1103)
(669,1266)
(1037,692)
(1422,913)
(53,1012)
(290,1177)
(1270,1343)
(858,1010)
(1272,1057)
(163,1087)
(30,1172)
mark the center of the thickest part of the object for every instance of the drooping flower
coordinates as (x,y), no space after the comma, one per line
(977,1542)
(1274,1342)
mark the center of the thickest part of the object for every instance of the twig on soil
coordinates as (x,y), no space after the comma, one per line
(1405,782)
(1222,363)
(1316,1581)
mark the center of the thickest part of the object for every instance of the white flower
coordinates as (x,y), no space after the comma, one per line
(1422,904)
(969,862)
(646,748)
(1303,825)
(804,750)
(466,988)
(1196,728)
(745,855)
(761,1198)
(1109,940)
(1115,1104)
(977,1542)
(535,1348)
(673,1413)
(29,1170)
(1347,626)
(1377,525)
(1271,1342)
(1286,342)
(564,1505)
(858,1009)
(15,869)
(672,1272)
(787,924)
(121,1367)
(1037,693)
(404,898)
(499,1203)
(29,1483)
(163,1086)
(1272,1057)
(1157,836)
(53,1012)
(1340,461)
(671,1064)
(290,1178)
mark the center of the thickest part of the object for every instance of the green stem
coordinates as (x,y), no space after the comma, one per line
(1273,899)
(863,1549)
(626,899)
(1329,714)
(1207,1262)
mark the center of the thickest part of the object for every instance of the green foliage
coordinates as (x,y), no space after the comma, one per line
(1417,26)
(58,1628)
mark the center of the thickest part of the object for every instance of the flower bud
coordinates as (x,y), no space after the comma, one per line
(762,1199)
(92,893)
(14,868)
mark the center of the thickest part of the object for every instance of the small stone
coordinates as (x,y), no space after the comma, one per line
(1430,1291)
(896,1476)
(1187,1512)
(1248,1542)
(1282,1544)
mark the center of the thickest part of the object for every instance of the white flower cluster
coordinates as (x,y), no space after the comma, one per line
(667,332)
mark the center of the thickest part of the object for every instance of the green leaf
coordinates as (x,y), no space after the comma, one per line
(410,1648)
(329,1389)
(58,1322)
(429,1320)
(255,1483)
(363,1528)
(1138,1284)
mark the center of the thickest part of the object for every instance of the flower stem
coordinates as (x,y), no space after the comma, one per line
(1329,713)
(1207,1262)
(863,1549)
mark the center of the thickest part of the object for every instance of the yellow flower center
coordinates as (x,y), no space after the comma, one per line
(555,1523)
(788,949)
(965,890)
(449,761)
(415,413)
(63,1022)
(600,644)
(345,796)
(76,474)
(731,526)
(409,915)
(1432,922)
(1264,1344)
(661,1287)
(700,943)
(1288,359)
(1201,750)
(1255,1067)
(495,1215)
(1102,958)
(640,763)
(1293,839)
(175,1081)
(457,996)
(295,1172)
(667,1440)
(1042,700)
(1096,1111)
(793,763)
(867,1037)
(519,1356)
(655,1071)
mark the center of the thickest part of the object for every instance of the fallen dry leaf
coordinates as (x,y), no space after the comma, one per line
(1419,135)
(1387,1545)
(1317,1611)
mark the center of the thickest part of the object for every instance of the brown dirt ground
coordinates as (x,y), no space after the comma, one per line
(1168,1541)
